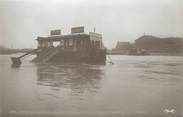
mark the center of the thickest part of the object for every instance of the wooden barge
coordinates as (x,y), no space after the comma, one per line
(74,47)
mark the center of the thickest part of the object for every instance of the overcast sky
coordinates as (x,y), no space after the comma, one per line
(21,21)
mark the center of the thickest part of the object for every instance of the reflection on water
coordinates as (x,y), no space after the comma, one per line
(76,77)
(144,86)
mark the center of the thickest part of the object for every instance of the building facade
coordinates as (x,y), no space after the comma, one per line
(171,45)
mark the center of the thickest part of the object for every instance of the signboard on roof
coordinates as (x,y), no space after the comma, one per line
(55,32)
(77,29)
(95,36)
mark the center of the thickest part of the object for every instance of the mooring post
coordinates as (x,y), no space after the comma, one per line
(16,61)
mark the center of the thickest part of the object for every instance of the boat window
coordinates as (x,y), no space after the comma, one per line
(62,43)
(70,42)
(97,44)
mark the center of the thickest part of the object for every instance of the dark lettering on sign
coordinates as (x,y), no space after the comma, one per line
(77,30)
(55,32)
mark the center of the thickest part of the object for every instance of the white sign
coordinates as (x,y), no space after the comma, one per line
(77,30)
(95,36)
(55,32)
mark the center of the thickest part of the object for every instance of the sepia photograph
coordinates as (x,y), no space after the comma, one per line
(91,58)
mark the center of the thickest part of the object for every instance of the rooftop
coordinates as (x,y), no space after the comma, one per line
(61,37)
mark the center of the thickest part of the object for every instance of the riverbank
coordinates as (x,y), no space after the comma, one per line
(5,51)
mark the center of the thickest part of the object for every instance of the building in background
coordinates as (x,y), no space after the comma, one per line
(161,46)
(122,48)
(150,45)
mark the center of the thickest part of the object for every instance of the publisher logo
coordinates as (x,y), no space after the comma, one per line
(171,111)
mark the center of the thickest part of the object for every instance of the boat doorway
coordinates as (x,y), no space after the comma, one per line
(56,44)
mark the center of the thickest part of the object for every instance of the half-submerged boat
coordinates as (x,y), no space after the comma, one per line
(77,46)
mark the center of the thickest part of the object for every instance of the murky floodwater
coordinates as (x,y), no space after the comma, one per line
(134,85)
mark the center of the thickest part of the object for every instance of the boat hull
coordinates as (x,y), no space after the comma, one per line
(91,56)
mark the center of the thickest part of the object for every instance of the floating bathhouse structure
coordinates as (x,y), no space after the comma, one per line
(77,46)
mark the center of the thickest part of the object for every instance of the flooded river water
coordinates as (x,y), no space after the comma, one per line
(134,85)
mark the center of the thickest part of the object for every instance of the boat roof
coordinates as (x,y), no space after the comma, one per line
(62,37)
